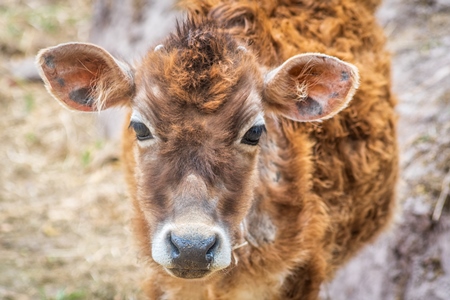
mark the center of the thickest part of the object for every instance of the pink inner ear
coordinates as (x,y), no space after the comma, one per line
(72,79)
(328,84)
(85,77)
(312,87)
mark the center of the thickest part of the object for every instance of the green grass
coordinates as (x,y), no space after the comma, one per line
(28,25)
(63,295)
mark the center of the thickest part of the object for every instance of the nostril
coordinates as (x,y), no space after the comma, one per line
(174,250)
(210,253)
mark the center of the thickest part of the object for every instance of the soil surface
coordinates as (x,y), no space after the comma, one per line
(63,206)
(64,231)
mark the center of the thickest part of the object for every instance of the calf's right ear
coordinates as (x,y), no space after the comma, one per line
(85,77)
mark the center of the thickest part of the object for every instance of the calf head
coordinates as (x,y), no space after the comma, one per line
(199,103)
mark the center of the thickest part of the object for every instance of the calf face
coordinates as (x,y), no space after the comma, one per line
(198,107)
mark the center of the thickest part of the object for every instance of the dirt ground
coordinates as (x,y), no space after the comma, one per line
(64,231)
(64,213)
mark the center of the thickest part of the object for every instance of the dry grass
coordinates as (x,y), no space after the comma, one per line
(63,208)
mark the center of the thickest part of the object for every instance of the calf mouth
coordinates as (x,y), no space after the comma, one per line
(188,273)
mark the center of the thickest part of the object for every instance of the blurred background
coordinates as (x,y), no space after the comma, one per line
(64,214)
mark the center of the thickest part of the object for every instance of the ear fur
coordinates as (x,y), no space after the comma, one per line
(85,77)
(310,87)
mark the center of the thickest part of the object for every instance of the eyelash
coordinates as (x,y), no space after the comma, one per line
(252,136)
(141,130)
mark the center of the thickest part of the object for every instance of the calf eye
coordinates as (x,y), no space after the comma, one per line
(142,132)
(252,136)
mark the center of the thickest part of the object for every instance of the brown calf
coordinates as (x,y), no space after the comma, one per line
(243,185)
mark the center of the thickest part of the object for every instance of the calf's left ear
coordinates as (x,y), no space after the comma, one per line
(310,87)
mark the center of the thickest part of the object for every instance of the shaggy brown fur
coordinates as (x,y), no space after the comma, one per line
(305,200)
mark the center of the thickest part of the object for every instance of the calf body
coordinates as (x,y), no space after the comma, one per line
(252,174)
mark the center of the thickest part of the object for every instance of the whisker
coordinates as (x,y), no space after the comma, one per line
(240,245)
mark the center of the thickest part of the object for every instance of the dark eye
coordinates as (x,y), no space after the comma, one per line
(142,132)
(252,136)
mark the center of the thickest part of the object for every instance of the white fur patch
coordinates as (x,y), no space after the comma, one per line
(155,91)
(241,48)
